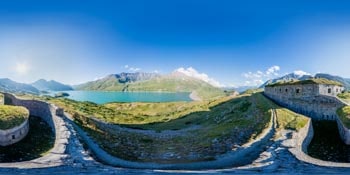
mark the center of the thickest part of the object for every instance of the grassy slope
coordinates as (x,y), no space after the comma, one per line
(345,96)
(310,81)
(177,84)
(215,125)
(217,129)
(135,113)
(344,115)
(344,112)
(287,119)
(11,116)
(168,83)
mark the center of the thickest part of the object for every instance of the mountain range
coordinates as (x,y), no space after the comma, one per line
(52,85)
(296,76)
(174,82)
(7,85)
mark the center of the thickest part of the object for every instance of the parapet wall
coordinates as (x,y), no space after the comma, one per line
(36,108)
(13,135)
(311,101)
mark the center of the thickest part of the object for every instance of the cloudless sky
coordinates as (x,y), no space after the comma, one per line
(76,41)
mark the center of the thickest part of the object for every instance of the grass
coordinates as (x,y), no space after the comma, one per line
(309,81)
(12,116)
(345,96)
(135,113)
(344,115)
(213,131)
(205,129)
(287,119)
(38,142)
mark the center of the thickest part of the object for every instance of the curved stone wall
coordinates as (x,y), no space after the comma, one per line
(57,155)
(302,141)
(14,135)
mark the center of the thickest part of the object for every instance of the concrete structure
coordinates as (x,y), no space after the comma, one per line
(14,135)
(317,101)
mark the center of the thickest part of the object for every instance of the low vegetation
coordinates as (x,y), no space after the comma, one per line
(11,116)
(287,119)
(200,135)
(309,81)
(344,115)
(178,132)
(135,113)
(345,96)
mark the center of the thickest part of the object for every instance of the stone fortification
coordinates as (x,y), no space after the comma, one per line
(14,135)
(317,101)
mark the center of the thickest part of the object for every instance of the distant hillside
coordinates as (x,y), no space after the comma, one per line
(175,82)
(52,85)
(116,82)
(8,85)
(288,77)
(344,81)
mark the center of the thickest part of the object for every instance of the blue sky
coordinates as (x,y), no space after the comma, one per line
(231,42)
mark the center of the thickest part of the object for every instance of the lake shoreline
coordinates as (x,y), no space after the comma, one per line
(103,97)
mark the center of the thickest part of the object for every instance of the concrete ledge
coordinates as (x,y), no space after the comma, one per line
(14,135)
(299,150)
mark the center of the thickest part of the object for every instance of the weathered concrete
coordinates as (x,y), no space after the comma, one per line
(14,135)
(313,100)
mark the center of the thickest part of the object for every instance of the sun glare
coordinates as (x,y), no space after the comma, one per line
(21,68)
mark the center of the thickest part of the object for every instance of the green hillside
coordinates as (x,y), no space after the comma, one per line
(168,83)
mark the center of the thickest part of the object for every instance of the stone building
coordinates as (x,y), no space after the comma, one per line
(316,98)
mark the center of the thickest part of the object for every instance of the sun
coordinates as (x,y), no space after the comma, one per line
(22,68)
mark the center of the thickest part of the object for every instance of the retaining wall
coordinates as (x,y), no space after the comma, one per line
(57,155)
(302,139)
(312,104)
(14,135)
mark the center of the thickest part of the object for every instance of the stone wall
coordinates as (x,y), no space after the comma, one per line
(315,101)
(307,99)
(344,132)
(36,108)
(13,135)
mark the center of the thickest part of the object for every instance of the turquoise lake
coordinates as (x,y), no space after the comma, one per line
(101,97)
